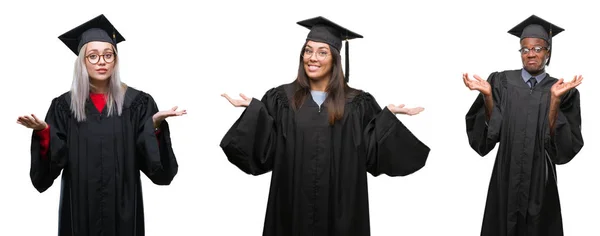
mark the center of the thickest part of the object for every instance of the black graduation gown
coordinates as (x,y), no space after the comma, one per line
(319,181)
(522,196)
(100,160)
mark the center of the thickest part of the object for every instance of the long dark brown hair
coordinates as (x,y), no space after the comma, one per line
(337,88)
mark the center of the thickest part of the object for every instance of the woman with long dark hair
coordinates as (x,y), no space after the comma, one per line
(100,135)
(319,137)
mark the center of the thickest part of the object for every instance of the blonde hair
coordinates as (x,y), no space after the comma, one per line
(81,86)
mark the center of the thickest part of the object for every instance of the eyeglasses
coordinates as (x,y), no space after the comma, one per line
(320,54)
(95,58)
(536,49)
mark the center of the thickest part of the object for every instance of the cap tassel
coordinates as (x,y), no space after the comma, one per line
(549,46)
(347,63)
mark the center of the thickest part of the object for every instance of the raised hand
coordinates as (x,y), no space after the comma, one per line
(560,87)
(162,115)
(400,109)
(32,122)
(478,84)
(245,102)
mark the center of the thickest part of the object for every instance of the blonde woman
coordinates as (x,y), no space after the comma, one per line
(100,134)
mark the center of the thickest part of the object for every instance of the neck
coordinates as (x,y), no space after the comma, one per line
(536,73)
(319,85)
(99,86)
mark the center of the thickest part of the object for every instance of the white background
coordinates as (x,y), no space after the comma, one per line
(187,55)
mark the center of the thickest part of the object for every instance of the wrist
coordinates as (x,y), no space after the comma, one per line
(487,96)
(41,128)
(554,99)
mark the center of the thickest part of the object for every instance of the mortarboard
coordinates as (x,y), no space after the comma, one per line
(325,31)
(535,27)
(97,29)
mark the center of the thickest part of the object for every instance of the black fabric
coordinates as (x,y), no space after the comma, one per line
(96,29)
(536,27)
(319,181)
(100,160)
(522,197)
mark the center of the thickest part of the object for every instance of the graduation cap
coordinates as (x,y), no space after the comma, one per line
(97,29)
(535,27)
(325,31)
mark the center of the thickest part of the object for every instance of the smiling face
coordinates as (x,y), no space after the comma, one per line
(534,62)
(317,60)
(97,54)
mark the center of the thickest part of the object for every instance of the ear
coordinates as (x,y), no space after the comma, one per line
(547,57)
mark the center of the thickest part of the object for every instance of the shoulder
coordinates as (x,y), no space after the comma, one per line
(62,102)
(280,95)
(551,79)
(500,78)
(136,98)
(360,98)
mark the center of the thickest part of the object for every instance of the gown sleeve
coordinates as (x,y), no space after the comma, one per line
(251,142)
(567,140)
(157,159)
(483,135)
(44,137)
(390,147)
(49,152)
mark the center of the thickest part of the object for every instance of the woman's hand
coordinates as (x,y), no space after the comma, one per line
(245,102)
(32,122)
(162,115)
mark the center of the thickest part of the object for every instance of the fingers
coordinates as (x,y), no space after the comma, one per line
(228,98)
(401,106)
(243,96)
(174,108)
(466,79)
(579,79)
(478,78)
(29,120)
(36,119)
(26,121)
(180,113)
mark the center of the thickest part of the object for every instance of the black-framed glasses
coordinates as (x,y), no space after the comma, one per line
(108,57)
(536,49)
(320,54)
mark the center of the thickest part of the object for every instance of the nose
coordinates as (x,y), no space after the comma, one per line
(101,61)
(313,57)
(531,53)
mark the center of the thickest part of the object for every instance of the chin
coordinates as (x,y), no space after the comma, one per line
(534,69)
(100,77)
(315,77)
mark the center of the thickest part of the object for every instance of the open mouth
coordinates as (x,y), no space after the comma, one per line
(313,68)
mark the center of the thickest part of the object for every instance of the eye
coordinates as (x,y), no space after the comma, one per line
(308,51)
(538,49)
(323,54)
(93,56)
(108,55)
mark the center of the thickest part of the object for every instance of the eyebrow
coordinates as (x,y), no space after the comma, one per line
(104,50)
(322,47)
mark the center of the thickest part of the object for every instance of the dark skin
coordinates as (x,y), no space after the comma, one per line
(534,63)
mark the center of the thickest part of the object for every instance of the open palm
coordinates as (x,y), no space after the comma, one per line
(401,109)
(560,87)
(244,102)
(32,122)
(478,84)
(162,115)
